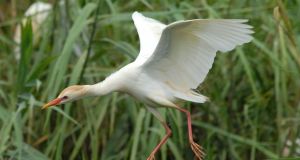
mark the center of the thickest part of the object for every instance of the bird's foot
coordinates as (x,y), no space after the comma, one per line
(151,157)
(198,150)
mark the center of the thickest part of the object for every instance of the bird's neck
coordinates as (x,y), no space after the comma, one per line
(102,88)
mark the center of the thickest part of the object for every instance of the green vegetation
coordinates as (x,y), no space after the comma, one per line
(254,90)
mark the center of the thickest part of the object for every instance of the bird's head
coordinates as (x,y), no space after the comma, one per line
(67,95)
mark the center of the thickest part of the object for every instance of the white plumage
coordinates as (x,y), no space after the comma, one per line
(37,13)
(173,60)
(149,31)
(181,54)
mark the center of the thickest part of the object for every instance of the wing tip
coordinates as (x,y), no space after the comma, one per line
(136,14)
(247,40)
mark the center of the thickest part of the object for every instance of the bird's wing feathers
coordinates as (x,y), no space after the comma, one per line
(149,31)
(186,50)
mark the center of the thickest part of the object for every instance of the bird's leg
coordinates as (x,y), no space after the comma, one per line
(168,131)
(163,141)
(197,149)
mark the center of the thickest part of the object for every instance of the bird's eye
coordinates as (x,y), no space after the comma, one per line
(65,97)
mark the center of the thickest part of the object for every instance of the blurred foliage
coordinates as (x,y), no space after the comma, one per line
(254,106)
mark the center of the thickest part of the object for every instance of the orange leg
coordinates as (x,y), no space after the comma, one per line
(197,149)
(163,141)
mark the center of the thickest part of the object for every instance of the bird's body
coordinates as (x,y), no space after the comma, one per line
(37,13)
(129,79)
(173,60)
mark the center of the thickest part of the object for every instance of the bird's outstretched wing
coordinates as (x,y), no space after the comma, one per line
(186,49)
(149,31)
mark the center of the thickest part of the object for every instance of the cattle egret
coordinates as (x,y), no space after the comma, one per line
(38,13)
(173,60)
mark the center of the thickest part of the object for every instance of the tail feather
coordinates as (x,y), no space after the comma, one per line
(191,96)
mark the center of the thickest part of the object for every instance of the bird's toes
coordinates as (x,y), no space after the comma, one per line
(198,150)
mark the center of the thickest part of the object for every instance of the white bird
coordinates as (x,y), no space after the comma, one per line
(38,13)
(174,60)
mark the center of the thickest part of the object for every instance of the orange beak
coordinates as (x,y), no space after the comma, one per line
(52,103)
